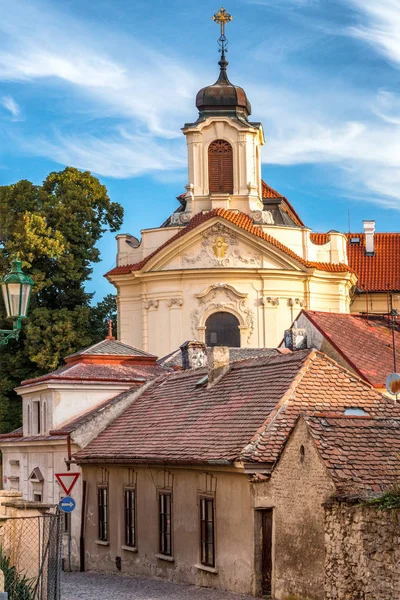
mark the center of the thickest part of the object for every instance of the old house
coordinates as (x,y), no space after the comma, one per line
(64,410)
(197,482)
(368,345)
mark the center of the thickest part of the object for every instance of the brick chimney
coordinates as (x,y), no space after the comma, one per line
(369,230)
(194,355)
(295,339)
(217,363)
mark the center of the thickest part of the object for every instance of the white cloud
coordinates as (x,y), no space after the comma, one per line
(382,26)
(11,105)
(129,80)
(122,155)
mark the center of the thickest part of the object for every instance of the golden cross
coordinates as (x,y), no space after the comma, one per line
(222,18)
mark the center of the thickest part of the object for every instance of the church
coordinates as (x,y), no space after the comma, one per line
(234,264)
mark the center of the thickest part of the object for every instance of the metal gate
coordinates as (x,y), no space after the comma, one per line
(30,557)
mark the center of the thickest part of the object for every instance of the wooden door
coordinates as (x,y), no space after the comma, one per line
(266,579)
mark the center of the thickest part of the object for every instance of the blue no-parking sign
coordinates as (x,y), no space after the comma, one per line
(67,504)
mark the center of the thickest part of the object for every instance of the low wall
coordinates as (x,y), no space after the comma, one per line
(362,560)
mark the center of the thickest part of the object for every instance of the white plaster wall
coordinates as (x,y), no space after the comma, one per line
(50,459)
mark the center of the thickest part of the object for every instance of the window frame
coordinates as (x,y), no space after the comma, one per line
(204,538)
(164,527)
(128,510)
(102,513)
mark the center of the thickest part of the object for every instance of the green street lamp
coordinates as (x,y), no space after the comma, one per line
(16,288)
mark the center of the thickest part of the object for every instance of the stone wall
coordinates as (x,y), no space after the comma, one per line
(362,560)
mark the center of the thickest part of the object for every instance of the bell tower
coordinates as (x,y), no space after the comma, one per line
(224,164)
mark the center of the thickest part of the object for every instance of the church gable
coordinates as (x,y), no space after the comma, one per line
(220,245)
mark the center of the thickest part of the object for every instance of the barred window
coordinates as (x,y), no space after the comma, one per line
(130,517)
(207,543)
(102,506)
(164,503)
(220,167)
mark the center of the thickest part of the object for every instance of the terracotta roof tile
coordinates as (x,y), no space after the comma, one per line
(380,272)
(100,372)
(242,221)
(365,343)
(249,413)
(361,454)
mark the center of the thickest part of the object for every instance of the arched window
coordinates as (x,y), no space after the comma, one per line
(222,329)
(220,167)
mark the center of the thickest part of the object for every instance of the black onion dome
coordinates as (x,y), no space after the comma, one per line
(223,96)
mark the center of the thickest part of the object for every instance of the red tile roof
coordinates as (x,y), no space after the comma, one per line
(319,238)
(365,343)
(100,372)
(381,272)
(378,273)
(249,413)
(320,386)
(361,454)
(242,221)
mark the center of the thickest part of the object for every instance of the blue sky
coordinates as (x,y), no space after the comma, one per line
(106,86)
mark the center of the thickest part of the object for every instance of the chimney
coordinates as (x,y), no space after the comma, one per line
(217,362)
(295,339)
(193,355)
(369,230)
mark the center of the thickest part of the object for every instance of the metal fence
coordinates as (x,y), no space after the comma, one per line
(30,557)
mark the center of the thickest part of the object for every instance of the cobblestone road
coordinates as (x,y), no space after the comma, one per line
(96,586)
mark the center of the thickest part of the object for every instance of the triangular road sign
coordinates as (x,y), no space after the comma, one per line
(67,481)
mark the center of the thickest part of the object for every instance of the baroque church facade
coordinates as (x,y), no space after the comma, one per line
(234,264)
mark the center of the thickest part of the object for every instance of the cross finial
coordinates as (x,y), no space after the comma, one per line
(222,17)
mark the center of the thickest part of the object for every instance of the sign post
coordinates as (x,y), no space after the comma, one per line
(67,504)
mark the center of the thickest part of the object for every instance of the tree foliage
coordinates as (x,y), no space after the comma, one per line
(54,228)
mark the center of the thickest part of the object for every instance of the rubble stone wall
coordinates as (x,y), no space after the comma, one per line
(362,560)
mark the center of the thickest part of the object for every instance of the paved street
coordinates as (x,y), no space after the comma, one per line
(96,586)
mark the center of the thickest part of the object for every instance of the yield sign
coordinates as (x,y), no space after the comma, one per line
(67,481)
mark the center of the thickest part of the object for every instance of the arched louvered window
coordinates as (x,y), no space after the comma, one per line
(220,167)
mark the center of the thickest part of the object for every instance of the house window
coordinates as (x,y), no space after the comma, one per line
(102,506)
(164,504)
(44,424)
(130,517)
(220,167)
(29,420)
(36,417)
(207,543)
(222,329)
(37,496)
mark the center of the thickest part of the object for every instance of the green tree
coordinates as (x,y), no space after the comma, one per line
(54,228)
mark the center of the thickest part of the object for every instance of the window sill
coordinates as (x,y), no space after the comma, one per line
(165,557)
(205,568)
(130,548)
(102,543)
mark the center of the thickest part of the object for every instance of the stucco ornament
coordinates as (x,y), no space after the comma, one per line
(220,247)
(151,304)
(221,297)
(175,302)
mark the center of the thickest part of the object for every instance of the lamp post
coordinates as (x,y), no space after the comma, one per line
(16,288)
